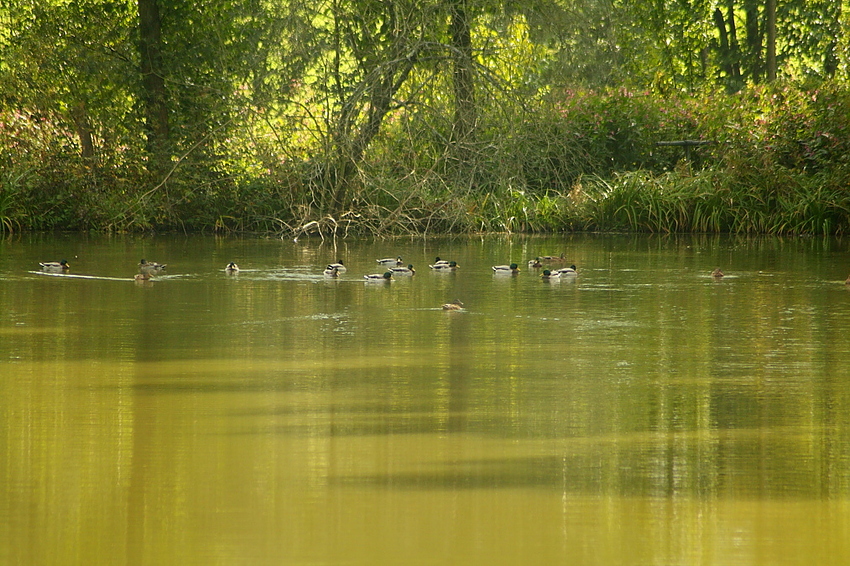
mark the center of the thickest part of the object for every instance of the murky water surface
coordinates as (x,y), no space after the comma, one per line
(641,413)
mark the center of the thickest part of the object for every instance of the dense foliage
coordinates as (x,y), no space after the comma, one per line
(433,115)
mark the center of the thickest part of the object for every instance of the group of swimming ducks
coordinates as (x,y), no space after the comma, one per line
(539,262)
(394,266)
(146,268)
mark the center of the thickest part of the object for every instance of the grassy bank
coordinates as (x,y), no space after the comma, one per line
(777,163)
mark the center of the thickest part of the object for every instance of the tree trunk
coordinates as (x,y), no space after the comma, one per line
(770,16)
(81,123)
(734,49)
(153,81)
(463,79)
(754,40)
(381,85)
(729,55)
(724,52)
(830,57)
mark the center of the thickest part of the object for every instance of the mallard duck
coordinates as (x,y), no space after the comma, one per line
(455,305)
(438,261)
(387,276)
(338,265)
(445,266)
(553,258)
(142,277)
(717,273)
(534,263)
(149,266)
(547,274)
(404,270)
(331,271)
(390,261)
(231,268)
(511,269)
(567,271)
(55,265)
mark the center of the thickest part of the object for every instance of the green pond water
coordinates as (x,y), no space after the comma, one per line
(641,413)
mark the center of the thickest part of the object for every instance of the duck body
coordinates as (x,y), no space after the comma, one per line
(552,258)
(455,305)
(331,271)
(717,274)
(150,266)
(231,268)
(386,276)
(549,275)
(55,265)
(404,270)
(338,265)
(438,261)
(511,269)
(443,265)
(568,271)
(390,261)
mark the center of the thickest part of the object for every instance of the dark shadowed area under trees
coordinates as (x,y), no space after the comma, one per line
(401,117)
